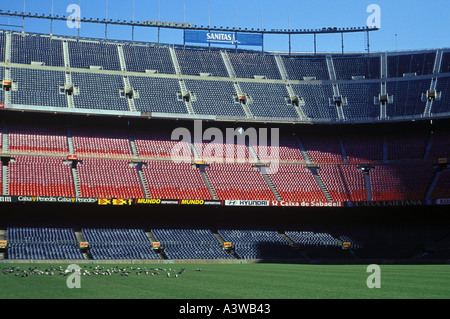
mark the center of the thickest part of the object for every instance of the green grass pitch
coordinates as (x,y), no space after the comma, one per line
(231,281)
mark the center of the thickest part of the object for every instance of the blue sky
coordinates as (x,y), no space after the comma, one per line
(405,24)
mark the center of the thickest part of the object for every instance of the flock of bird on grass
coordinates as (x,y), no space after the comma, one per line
(93,271)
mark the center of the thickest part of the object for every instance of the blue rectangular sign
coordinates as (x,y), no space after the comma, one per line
(218,37)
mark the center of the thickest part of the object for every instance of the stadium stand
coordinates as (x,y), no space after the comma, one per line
(108,178)
(158,143)
(100,142)
(217,150)
(299,68)
(38,87)
(401,181)
(85,54)
(162,97)
(258,244)
(442,105)
(360,100)
(287,150)
(440,145)
(31,137)
(2,46)
(445,67)
(2,87)
(297,183)
(367,156)
(407,97)
(311,238)
(418,63)
(99,91)
(28,48)
(268,100)
(238,181)
(175,181)
(141,58)
(95,87)
(1,178)
(363,148)
(322,149)
(357,66)
(316,99)
(411,146)
(344,182)
(442,187)
(215,98)
(196,62)
(105,244)
(190,244)
(40,176)
(43,243)
(249,65)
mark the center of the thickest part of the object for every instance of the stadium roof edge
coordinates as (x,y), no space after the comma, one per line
(190,47)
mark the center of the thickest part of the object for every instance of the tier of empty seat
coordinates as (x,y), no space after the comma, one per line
(258,244)
(356,66)
(40,176)
(443,104)
(402,166)
(108,178)
(99,91)
(175,181)
(299,68)
(407,97)
(370,240)
(445,65)
(249,65)
(442,189)
(84,54)
(285,149)
(421,64)
(100,142)
(215,98)
(158,95)
(30,137)
(310,238)
(141,58)
(267,100)
(322,149)
(118,244)
(408,181)
(28,48)
(38,87)
(160,143)
(196,62)
(190,244)
(42,243)
(297,183)
(238,182)
(344,182)
(363,148)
